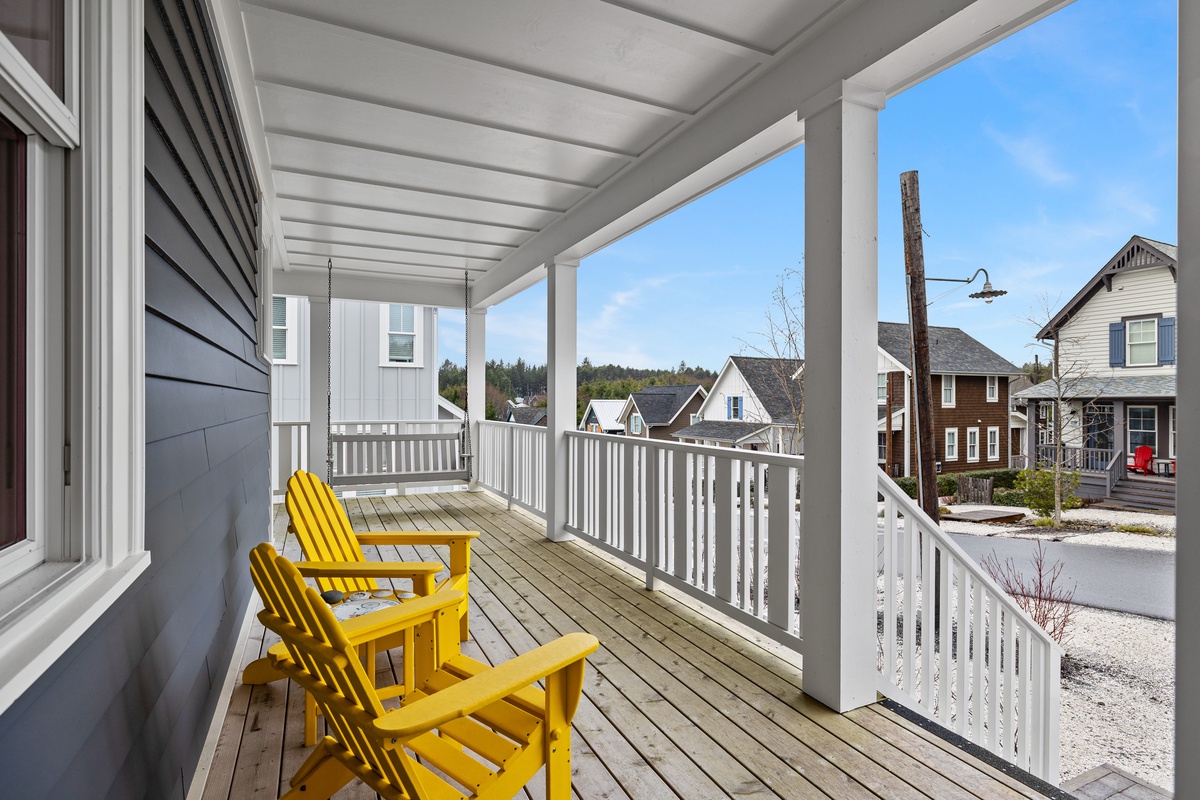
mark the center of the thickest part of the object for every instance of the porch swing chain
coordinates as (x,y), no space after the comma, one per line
(466,363)
(329,379)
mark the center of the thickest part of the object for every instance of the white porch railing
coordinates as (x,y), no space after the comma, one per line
(289,452)
(955,646)
(501,449)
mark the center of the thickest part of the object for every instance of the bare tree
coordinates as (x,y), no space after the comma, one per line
(1072,390)
(782,343)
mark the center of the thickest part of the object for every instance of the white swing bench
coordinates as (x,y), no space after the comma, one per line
(382,455)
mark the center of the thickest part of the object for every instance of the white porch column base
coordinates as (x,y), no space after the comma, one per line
(841,306)
(1187,554)
(560,389)
(476,380)
(318,387)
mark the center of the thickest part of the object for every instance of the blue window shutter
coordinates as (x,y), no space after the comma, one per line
(1116,344)
(1166,340)
(728,408)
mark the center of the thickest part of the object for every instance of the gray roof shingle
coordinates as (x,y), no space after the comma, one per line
(1122,386)
(771,381)
(527,415)
(720,430)
(658,405)
(951,351)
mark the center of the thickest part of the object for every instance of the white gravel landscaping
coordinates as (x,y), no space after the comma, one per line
(1164,523)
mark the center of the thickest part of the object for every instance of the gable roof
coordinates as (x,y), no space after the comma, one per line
(951,351)
(527,415)
(659,405)
(772,383)
(608,413)
(1138,253)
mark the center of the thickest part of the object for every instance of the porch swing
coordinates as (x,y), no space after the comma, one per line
(370,459)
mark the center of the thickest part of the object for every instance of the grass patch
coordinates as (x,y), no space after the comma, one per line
(1043,522)
(1143,529)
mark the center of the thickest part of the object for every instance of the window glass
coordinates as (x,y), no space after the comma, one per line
(735,407)
(1143,427)
(947,390)
(951,443)
(972,444)
(993,444)
(1142,342)
(12,334)
(881,387)
(35,28)
(993,387)
(635,424)
(401,334)
(279,323)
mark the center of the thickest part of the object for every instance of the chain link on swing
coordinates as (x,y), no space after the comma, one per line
(466,450)
(329,379)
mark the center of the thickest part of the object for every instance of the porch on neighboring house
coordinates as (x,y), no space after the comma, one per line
(678,702)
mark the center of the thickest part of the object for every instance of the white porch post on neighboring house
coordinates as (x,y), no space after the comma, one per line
(560,389)
(840,333)
(318,386)
(476,381)
(1187,554)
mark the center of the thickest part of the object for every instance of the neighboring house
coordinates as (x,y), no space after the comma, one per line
(384,361)
(1116,341)
(753,405)
(525,415)
(970,411)
(657,412)
(1018,421)
(603,416)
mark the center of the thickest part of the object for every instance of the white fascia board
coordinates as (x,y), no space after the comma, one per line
(226,16)
(627,409)
(888,363)
(881,44)
(716,384)
(314,282)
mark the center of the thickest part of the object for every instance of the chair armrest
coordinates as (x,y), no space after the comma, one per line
(397,618)
(367,569)
(486,688)
(401,538)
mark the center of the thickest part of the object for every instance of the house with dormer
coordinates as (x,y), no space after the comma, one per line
(1116,343)
(755,404)
(656,412)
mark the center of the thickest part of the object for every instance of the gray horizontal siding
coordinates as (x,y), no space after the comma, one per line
(124,713)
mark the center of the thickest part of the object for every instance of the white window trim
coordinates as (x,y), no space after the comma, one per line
(1129,428)
(1171,434)
(735,407)
(291,350)
(953,385)
(693,419)
(993,389)
(972,433)
(1129,362)
(996,430)
(636,425)
(952,444)
(106,498)
(881,388)
(418,337)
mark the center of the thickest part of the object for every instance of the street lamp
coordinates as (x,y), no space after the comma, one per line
(987,294)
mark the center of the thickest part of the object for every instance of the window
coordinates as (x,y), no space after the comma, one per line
(972,444)
(694,419)
(948,391)
(734,408)
(951,444)
(882,447)
(993,444)
(284,314)
(1143,427)
(35,30)
(993,388)
(881,387)
(1141,343)
(635,424)
(401,334)
(1172,444)
(12,335)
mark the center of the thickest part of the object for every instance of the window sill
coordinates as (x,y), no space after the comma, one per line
(395,365)
(40,626)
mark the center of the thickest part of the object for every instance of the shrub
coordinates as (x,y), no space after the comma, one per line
(947,485)
(909,485)
(1038,488)
(1044,596)
(1008,497)
(1001,478)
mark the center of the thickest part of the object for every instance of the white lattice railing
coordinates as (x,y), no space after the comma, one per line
(510,459)
(702,519)
(956,647)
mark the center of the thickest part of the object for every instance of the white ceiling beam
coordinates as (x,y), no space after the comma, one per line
(850,45)
(332,227)
(302,241)
(422,267)
(352,285)
(672,26)
(347,94)
(268,10)
(419,189)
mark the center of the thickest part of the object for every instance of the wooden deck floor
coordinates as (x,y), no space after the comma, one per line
(677,705)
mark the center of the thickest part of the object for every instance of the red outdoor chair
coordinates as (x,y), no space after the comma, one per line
(1143,459)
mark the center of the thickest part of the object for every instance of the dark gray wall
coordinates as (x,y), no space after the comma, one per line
(124,713)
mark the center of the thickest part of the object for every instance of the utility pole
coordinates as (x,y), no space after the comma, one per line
(914,270)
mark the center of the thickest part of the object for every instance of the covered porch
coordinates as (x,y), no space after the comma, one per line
(677,703)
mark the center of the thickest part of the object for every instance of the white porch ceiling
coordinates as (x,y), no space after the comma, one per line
(415,141)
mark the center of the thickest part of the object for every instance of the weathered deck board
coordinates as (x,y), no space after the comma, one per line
(676,702)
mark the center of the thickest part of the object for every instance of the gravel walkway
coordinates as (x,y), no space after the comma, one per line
(1164,523)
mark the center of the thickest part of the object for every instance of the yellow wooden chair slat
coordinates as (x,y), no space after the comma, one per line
(381,747)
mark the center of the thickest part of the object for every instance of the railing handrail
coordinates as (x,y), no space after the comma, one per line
(762,456)
(888,487)
(394,437)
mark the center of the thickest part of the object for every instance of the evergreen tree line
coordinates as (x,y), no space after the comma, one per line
(507,381)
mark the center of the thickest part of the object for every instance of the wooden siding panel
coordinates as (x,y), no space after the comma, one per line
(1136,292)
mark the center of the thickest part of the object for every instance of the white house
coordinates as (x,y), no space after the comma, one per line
(755,403)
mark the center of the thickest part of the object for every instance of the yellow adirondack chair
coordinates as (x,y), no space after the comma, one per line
(329,543)
(485,730)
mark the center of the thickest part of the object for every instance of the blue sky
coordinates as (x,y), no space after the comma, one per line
(1038,159)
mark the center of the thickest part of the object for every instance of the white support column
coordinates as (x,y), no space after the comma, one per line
(1187,554)
(841,304)
(318,386)
(476,381)
(560,389)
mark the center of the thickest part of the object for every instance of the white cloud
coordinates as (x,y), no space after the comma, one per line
(1032,154)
